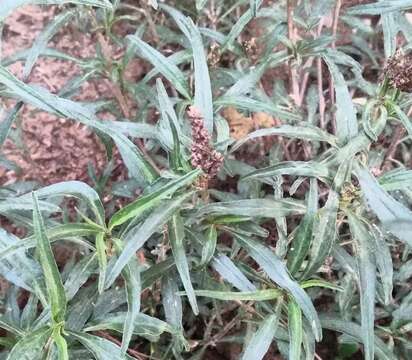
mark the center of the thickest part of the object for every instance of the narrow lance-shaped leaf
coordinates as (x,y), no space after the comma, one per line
(172,302)
(76,189)
(367,280)
(142,232)
(294,168)
(304,233)
(102,259)
(19,268)
(254,208)
(176,233)
(169,70)
(390,30)
(335,323)
(395,217)
(61,344)
(6,123)
(101,348)
(41,40)
(228,270)
(54,284)
(8,6)
(239,26)
(254,6)
(276,270)
(208,249)
(203,90)
(146,202)
(259,295)
(324,234)
(383,263)
(131,276)
(260,342)
(31,346)
(168,118)
(380,7)
(67,232)
(304,132)
(346,122)
(295,326)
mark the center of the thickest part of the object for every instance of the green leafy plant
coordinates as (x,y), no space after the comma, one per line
(268,240)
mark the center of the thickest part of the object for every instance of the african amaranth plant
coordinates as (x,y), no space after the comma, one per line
(291,241)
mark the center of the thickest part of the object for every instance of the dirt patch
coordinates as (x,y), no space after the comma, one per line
(50,149)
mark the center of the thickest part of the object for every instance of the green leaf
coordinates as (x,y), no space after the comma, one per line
(101,348)
(19,204)
(254,6)
(394,216)
(176,233)
(254,208)
(76,189)
(390,30)
(172,302)
(209,248)
(47,52)
(367,280)
(79,274)
(61,344)
(31,346)
(11,328)
(236,29)
(383,262)
(277,271)
(303,131)
(69,232)
(346,121)
(228,271)
(324,230)
(102,259)
(380,7)
(260,342)
(8,6)
(145,202)
(203,90)
(335,323)
(54,284)
(19,268)
(247,82)
(259,295)
(156,271)
(295,326)
(396,179)
(41,40)
(142,232)
(250,104)
(149,327)
(404,119)
(294,168)
(304,232)
(162,64)
(6,123)
(169,123)
(131,276)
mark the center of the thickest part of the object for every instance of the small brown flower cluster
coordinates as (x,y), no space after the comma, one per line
(398,70)
(203,155)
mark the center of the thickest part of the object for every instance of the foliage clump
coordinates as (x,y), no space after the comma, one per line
(264,193)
